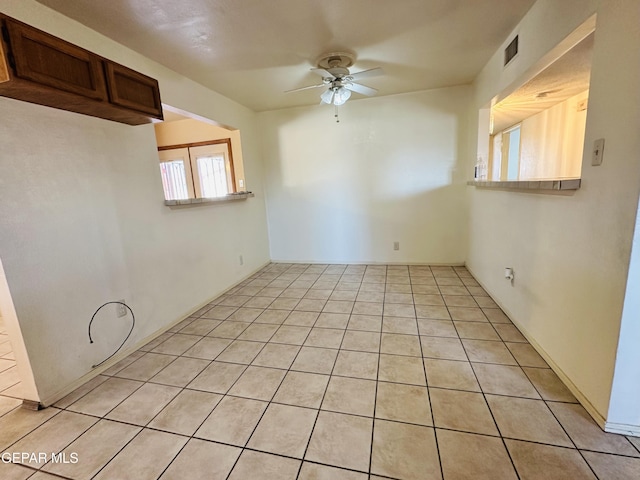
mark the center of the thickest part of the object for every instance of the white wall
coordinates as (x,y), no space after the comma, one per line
(570,254)
(391,170)
(82,219)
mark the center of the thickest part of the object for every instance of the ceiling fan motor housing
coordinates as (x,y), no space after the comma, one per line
(338,72)
(338,61)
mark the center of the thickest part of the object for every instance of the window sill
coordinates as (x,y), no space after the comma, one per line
(232,197)
(568,185)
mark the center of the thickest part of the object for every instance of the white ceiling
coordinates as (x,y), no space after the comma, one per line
(568,76)
(253,50)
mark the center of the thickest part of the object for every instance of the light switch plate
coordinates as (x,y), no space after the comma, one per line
(598,151)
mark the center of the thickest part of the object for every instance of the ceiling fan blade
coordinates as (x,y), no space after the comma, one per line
(305,88)
(322,72)
(362,89)
(372,72)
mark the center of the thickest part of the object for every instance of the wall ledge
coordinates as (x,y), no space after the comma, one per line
(232,197)
(531,186)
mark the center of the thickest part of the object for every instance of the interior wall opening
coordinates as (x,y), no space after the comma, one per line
(536,130)
(16,377)
(198,158)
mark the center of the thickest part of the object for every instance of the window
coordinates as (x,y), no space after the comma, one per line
(511,139)
(176,174)
(199,170)
(505,155)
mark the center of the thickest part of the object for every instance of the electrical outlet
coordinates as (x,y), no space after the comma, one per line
(241,260)
(121,310)
(396,245)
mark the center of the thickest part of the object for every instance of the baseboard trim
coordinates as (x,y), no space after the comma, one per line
(32,405)
(351,262)
(584,401)
(623,429)
(63,392)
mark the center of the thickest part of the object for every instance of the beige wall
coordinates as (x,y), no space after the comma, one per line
(551,142)
(570,254)
(391,170)
(83,222)
(192,131)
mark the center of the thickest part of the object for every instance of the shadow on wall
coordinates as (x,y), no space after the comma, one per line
(392,171)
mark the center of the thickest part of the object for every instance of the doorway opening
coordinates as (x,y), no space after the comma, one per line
(17,385)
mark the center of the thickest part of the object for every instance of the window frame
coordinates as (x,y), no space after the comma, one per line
(507,161)
(190,163)
(181,154)
(499,149)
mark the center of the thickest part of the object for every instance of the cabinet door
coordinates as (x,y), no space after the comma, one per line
(4,66)
(131,89)
(47,60)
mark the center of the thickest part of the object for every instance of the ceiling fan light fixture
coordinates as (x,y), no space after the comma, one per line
(334,70)
(341,96)
(327,96)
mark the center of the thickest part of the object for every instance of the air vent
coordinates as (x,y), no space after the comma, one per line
(511,51)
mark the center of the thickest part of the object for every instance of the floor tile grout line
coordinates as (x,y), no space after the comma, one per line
(35,471)
(244,364)
(304,454)
(433,418)
(13,408)
(268,403)
(488,406)
(363,416)
(335,361)
(118,452)
(76,438)
(99,418)
(10,386)
(259,420)
(571,438)
(484,396)
(173,398)
(637,447)
(339,349)
(137,425)
(31,430)
(375,398)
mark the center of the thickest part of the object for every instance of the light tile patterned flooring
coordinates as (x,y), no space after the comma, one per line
(10,388)
(328,372)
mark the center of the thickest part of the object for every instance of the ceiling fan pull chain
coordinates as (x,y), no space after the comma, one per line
(336,115)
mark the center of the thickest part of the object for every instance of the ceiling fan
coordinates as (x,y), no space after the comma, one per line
(334,70)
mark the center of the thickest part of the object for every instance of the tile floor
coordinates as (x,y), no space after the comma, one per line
(327,372)
(10,389)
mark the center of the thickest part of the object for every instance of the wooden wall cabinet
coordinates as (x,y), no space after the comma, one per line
(132,90)
(39,68)
(4,65)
